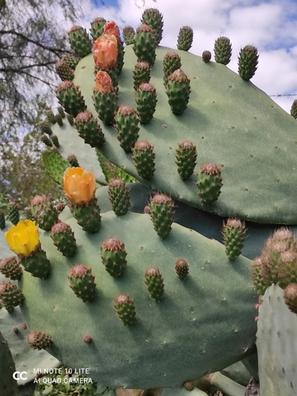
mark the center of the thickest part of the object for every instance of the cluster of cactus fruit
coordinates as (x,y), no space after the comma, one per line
(132,127)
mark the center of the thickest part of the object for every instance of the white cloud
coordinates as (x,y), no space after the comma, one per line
(267,24)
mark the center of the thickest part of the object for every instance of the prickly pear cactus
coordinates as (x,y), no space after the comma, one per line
(8,385)
(277,345)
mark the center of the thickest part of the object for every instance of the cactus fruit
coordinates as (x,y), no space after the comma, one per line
(2,221)
(185,38)
(234,234)
(153,18)
(290,296)
(46,140)
(144,159)
(171,62)
(37,264)
(178,91)
(50,116)
(154,282)
(129,34)
(127,127)
(105,98)
(73,161)
(293,110)
(82,282)
(206,56)
(146,100)
(39,339)
(144,44)
(97,26)
(209,183)
(59,119)
(13,214)
(64,71)
(10,267)
(113,256)
(45,127)
(44,212)
(186,155)
(119,196)
(80,41)
(10,295)
(181,268)
(70,60)
(64,239)
(141,73)
(55,140)
(88,216)
(70,97)
(61,111)
(247,62)
(223,50)
(89,129)
(162,213)
(125,308)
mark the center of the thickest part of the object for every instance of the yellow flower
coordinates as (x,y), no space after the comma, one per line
(79,185)
(23,238)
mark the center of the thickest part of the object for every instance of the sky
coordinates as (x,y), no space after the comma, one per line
(270,25)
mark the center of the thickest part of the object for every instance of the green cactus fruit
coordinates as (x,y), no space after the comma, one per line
(70,98)
(171,62)
(44,212)
(129,34)
(146,100)
(55,140)
(144,159)
(209,183)
(39,339)
(105,104)
(37,264)
(88,216)
(258,276)
(125,308)
(223,50)
(161,208)
(10,267)
(50,116)
(186,155)
(2,221)
(141,73)
(247,62)
(294,109)
(178,91)
(119,196)
(144,44)
(153,18)
(45,127)
(61,111)
(290,296)
(97,26)
(82,282)
(8,385)
(234,235)
(70,119)
(79,41)
(73,161)
(70,60)
(185,38)
(120,62)
(59,119)
(46,140)
(182,268)
(154,282)
(127,127)
(64,71)
(288,269)
(10,296)
(13,214)
(114,256)
(64,239)
(89,129)
(206,56)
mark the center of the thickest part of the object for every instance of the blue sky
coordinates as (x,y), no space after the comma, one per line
(270,25)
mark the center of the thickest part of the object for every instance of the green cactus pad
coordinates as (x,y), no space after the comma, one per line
(228,292)
(277,345)
(218,121)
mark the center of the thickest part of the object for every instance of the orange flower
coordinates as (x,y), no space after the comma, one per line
(79,185)
(103,82)
(105,51)
(112,28)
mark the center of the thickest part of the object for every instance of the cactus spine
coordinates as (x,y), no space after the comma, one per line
(209,182)
(162,212)
(64,239)
(82,282)
(70,98)
(113,256)
(119,196)
(247,62)
(144,159)
(178,91)
(186,155)
(89,129)
(125,308)
(223,50)
(185,38)
(146,100)
(127,126)
(154,282)
(234,234)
